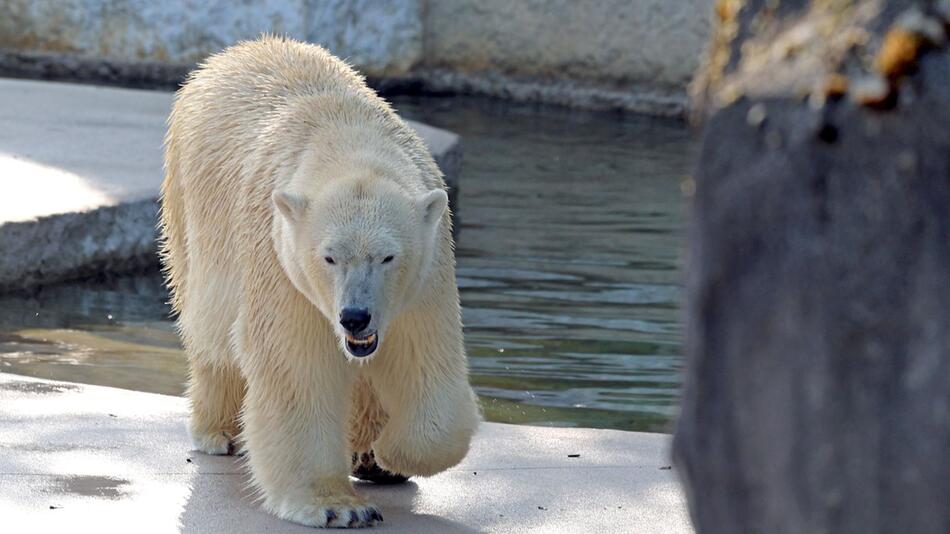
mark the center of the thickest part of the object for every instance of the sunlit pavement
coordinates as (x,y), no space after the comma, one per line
(78,458)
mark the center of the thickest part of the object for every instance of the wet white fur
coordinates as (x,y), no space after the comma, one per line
(275,151)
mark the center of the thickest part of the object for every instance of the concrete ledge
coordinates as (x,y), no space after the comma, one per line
(112,239)
(65,67)
(81,168)
(88,458)
(644,98)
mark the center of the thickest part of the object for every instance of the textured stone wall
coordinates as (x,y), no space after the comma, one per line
(609,43)
(631,54)
(382,38)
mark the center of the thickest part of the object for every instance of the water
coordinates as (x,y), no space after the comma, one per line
(569,268)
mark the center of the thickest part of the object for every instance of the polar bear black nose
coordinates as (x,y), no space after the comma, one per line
(355,320)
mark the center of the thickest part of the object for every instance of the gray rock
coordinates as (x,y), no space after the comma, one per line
(817,395)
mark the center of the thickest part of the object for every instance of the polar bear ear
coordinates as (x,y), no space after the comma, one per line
(291,205)
(432,204)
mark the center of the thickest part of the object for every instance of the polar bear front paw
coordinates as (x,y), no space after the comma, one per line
(216,443)
(417,457)
(346,512)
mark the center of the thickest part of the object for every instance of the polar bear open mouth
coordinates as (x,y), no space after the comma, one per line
(362,346)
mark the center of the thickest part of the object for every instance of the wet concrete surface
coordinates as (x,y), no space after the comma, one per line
(39,388)
(89,486)
(77,458)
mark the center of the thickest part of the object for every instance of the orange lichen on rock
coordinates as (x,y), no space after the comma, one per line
(727,9)
(718,53)
(911,32)
(832,86)
(835,85)
(898,52)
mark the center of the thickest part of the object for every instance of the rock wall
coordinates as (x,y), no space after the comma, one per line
(817,395)
(610,43)
(383,38)
(632,54)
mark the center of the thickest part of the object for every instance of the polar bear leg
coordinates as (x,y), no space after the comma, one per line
(366,416)
(433,412)
(297,450)
(294,416)
(216,393)
(215,386)
(367,419)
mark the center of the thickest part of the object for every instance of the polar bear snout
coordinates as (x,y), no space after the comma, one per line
(355,320)
(360,342)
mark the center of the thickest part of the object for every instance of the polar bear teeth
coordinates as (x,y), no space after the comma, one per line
(366,341)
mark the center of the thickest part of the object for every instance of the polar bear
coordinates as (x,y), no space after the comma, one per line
(308,250)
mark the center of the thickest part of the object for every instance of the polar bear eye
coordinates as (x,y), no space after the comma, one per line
(329,260)
(387,259)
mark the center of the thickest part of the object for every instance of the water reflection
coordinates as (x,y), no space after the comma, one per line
(569,260)
(110,332)
(568,267)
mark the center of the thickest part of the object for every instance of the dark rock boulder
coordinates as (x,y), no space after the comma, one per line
(817,395)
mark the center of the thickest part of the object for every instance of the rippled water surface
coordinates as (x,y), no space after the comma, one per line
(568,261)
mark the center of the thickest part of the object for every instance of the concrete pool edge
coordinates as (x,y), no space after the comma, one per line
(115,232)
(110,459)
(645,99)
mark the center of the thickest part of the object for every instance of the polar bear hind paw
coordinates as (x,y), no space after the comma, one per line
(215,443)
(366,468)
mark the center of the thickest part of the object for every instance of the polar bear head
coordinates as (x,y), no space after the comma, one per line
(360,250)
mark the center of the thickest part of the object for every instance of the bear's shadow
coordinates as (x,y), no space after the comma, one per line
(221,501)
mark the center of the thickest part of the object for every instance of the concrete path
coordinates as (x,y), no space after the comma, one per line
(77,458)
(80,169)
